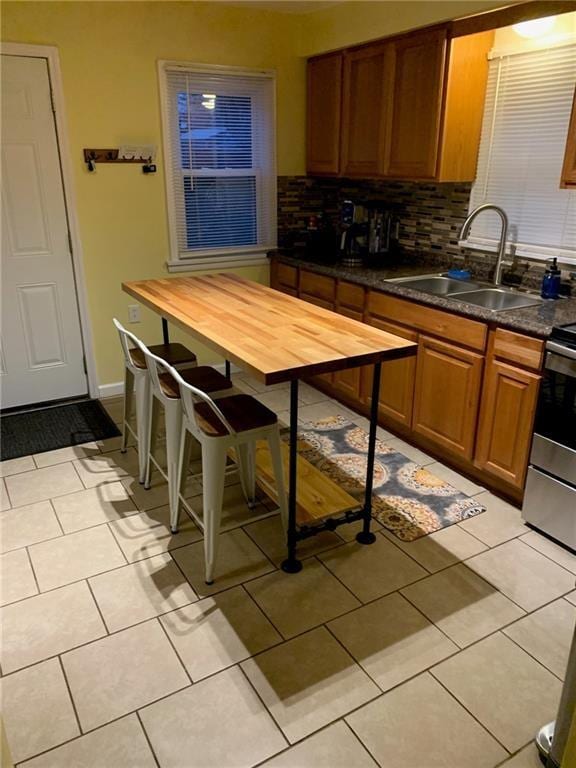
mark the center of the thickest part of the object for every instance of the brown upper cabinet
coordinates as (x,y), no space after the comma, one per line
(411,108)
(417,104)
(366,110)
(323,114)
(569,168)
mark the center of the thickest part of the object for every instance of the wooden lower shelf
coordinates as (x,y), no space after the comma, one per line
(317,497)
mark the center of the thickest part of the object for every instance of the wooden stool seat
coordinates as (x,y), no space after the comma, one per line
(174,354)
(202,377)
(243,412)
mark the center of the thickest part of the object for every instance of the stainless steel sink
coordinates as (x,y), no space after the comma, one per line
(497,299)
(438,285)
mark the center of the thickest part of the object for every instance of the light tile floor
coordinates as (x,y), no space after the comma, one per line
(448,651)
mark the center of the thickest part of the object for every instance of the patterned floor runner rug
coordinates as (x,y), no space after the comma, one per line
(408,500)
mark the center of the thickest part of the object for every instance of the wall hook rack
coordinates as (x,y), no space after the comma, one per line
(93,156)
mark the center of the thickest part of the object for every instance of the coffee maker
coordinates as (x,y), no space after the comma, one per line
(366,233)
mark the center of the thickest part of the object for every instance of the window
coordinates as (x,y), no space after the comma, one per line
(220,165)
(528,103)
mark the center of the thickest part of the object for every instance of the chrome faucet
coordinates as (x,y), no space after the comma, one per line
(503,235)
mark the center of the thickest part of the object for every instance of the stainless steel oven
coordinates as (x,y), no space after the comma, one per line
(550,497)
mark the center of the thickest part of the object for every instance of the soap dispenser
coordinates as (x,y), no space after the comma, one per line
(551,281)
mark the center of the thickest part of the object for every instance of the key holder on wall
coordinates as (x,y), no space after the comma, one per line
(122,155)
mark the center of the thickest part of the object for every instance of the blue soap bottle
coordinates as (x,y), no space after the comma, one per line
(551,281)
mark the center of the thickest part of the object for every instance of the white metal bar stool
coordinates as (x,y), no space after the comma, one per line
(165,391)
(136,381)
(234,421)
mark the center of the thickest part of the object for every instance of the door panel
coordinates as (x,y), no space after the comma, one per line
(568,178)
(348,381)
(40,316)
(367,102)
(23,199)
(397,380)
(415,132)
(506,420)
(325,378)
(323,114)
(41,335)
(447,395)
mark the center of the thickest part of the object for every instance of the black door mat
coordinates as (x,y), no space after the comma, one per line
(54,427)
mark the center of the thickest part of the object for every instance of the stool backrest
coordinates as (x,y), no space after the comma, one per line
(191,395)
(125,338)
(156,366)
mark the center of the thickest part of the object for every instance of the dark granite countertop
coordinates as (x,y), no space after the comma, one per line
(535,321)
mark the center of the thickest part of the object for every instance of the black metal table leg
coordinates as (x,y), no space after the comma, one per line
(292,564)
(227,368)
(165,333)
(366,536)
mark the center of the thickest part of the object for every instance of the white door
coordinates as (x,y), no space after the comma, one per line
(41,354)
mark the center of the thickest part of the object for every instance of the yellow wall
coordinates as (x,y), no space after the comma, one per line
(109,53)
(356,22)
(507,39)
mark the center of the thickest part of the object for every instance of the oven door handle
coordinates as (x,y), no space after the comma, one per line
(560,349)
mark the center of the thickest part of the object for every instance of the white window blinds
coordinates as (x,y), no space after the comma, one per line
(528,103)
(220,156)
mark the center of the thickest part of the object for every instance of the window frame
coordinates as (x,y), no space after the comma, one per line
(236,256)
(525,251)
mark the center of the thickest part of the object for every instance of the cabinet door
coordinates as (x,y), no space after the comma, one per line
(569,167)
(397,380)
(447,395)
(348,381)
(418,89)
(506,419)
(323,114)
(325,378)
(366,98)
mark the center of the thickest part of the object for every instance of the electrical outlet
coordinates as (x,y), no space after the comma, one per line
(134,313)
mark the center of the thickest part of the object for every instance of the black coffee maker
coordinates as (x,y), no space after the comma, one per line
(366,234)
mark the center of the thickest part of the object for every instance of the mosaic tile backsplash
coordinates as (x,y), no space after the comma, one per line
(430,216)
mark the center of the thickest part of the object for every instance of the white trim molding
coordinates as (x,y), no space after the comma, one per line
(254,254)
(111,390)
(50,53)
(223,262)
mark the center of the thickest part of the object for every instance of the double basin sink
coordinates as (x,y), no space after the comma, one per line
(496,299)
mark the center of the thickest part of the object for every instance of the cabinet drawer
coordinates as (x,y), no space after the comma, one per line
(316,301)
(351,296)
(286,275)
(517,348)
(549,505)
(319,286)
(469,333)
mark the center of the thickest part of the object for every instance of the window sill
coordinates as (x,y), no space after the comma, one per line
(215,264)
(531,253)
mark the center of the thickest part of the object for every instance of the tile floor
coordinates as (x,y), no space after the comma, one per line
(448,651)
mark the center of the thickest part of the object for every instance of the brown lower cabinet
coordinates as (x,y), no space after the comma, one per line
(509,397)
(470,391)
(397,379)
(349,380)
(447,395)
(322,378)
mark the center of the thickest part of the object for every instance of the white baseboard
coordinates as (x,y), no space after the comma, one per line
(117,388)
(111,390)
